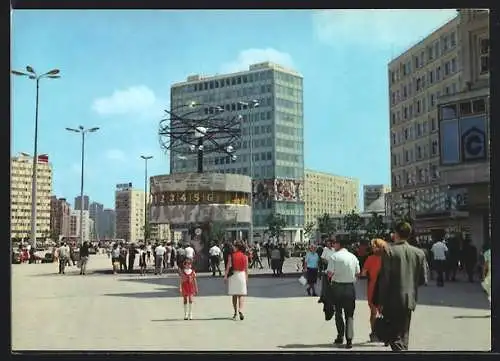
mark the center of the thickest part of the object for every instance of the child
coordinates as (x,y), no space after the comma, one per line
(142,260)
(188,287)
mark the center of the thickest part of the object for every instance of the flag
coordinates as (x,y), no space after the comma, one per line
(44,158)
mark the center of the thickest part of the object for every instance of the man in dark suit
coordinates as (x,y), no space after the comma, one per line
(403,271)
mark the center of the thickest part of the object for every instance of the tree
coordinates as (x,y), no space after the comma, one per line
(326,225)
(275,225)
(217,231)
(376,228)
(309,229)
(353,223)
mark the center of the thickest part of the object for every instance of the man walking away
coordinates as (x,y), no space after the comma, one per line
(214,252)
(343,270)
(282,250)
(439,251)
(469,258)
(132,252)
(189,252)
(326,252)
(168,255)
(452,259)
(159,254)
(63,257)
(123,258)
(256,256)
(84,257)
(402,272)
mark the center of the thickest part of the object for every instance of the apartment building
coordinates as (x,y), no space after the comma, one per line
(329,193)
(129,210)
(60,214)
(21,171)
(418,78)
(107,224)
(272,136)
(87,225)
(96,211)
(372,193)
(86,202)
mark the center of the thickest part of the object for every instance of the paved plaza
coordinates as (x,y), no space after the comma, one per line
(132,312)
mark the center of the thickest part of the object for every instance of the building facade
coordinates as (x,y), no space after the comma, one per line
(426,82)
(330,194)
(372,192)
(272,143)
(21,171)
(96,211)
(86,202)
(107,224)
(74,225)
(60,214)
(129,210)
(418,78)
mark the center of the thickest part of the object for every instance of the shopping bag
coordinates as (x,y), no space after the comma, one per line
(382,329)
(303,280)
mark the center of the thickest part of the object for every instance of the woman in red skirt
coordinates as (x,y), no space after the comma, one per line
(188,288)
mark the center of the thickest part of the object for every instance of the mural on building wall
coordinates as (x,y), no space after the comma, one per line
(263,190)
(290,190)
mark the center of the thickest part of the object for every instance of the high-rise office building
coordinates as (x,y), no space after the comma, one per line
(107,224)
(129,210)
(438,89)
(85,202)
(21,173)
(60,213)
(374,193)
(95,211)
(330,194)
(87,224)
(275,129)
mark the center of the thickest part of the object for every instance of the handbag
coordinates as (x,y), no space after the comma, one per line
(382,329)
(303,280)
(230,272)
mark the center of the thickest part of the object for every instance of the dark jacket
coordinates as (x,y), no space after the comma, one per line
(403,271)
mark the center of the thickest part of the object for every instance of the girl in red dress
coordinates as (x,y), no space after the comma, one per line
(188,288)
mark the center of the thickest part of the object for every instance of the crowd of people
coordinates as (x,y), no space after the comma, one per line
(394,268)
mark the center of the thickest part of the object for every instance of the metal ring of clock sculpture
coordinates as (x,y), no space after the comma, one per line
(200,128)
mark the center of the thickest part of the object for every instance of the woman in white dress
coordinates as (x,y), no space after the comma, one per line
(236,277)
(487,273)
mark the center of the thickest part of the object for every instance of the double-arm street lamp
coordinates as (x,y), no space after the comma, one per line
(30,73)
(82,131)
(146,158)
(250,105)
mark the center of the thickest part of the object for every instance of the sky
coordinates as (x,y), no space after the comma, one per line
(117,68)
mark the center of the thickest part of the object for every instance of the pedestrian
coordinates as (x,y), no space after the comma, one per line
(371,270)
(84,257)
(236,277)
(275,259)
(168,255)
(326,253)
(132,252)
(311,261)
(282,250)
(268,249)
(160,251)
(189,252)
(343,270)
(64,254)
(403,270)
(142,260)
(215,253)
(452,259)
(439,251)
(115,258)
(123,258)
(188,287)
(173,256)
(148,252)
(469,258)
(256,256)
(181,255)
(487,272)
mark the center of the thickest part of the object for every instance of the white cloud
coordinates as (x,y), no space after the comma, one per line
(133,100)
(388,29)
(115,155)
(253,56)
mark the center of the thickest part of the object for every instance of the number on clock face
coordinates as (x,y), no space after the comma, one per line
(210,197)
(182,197)
(196,197)
(171,197)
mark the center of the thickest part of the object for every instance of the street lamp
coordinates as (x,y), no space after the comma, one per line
(82,131)
(250,105)
(146,158)
(31,74)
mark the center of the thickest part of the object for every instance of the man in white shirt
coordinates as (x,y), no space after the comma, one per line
(439,252)
(215,252)
(328,250)
(64,254)
(160,251)
(343,270)
(189,252)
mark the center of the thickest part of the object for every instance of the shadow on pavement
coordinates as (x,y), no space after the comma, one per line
(366,344)
(195,319)
(471,317)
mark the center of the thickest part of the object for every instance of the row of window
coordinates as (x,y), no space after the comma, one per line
(463,109)
(418,153)
(421,175)
(413,131)
(425,56)
(419,84)
(290,144)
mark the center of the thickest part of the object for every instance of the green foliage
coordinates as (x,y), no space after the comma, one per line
(326,225)
(217,231)
(376,228)
(353,224)
(309,229)
(276,223)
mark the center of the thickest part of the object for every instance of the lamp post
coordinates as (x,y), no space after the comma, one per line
(82,131)
(250,105)
(31,74)
(146,158)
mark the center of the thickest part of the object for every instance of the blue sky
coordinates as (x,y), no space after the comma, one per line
(117,67)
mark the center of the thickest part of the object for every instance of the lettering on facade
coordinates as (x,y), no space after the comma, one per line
(124,186)
(199,197)
(473,144)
